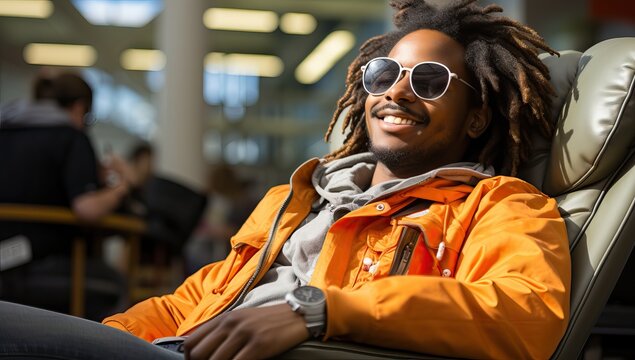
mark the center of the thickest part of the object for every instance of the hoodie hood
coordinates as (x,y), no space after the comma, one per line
(347,180)
(22,113)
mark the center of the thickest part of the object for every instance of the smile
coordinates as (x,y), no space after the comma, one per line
(398,121)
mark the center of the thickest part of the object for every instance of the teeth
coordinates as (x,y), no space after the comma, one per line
(399,121)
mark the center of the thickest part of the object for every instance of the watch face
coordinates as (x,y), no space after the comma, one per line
(309,294)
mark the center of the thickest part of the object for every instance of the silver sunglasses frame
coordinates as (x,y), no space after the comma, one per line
(401,70)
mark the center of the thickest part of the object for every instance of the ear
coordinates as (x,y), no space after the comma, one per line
(478,121)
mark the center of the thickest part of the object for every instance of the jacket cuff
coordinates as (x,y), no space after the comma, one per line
(116,324)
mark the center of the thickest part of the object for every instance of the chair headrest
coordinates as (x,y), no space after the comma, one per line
(595,108)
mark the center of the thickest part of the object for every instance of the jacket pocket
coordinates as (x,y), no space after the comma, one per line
(434,253)
(413,256)
(243,249)
(404,251)
(255,240)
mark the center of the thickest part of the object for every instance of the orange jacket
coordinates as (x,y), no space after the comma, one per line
(486,270)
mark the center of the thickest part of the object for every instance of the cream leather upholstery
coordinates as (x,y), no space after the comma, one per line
(589,169)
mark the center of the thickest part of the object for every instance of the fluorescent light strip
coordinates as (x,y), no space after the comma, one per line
(142,59)
(244,64)
(127,13)
(298,23)
(60,54)
(324,56)
(39,9)
(240,20)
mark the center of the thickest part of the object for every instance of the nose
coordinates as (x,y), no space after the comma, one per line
(401,91)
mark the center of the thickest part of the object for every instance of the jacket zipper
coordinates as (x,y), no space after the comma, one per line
(263,257)
(405,248)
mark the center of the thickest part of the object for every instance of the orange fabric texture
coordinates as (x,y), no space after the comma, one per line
(498,288)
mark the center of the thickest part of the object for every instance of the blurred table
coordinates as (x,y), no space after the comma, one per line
(130,227)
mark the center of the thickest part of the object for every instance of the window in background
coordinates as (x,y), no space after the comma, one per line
(120,105)
(234,92)
(126,13)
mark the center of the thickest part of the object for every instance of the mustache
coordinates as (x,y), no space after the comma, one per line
(392,106)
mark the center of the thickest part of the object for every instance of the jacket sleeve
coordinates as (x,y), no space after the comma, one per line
(509,297)
(160,316)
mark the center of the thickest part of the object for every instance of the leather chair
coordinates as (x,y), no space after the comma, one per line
(588,168)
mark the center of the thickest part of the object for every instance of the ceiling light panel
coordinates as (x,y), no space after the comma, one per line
(244,64)
(142,59)
(39,9)
(324,56)
(298,23)
(60,54)
(240,20)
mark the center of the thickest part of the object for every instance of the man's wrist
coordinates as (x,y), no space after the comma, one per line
(309,302)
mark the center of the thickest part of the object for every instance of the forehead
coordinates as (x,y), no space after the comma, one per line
(429,45)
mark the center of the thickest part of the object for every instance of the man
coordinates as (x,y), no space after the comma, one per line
(495,255)
(47,159)
(141,166)
(58,113)
(404,242)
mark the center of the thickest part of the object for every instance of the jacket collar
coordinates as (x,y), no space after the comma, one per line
(460,177)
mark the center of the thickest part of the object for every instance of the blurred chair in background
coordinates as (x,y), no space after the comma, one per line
(173,210)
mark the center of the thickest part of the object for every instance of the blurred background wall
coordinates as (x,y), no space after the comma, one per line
(245,82)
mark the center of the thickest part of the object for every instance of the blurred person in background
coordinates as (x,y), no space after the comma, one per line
(171,211)
(47,159)
(141,164)
(138,171)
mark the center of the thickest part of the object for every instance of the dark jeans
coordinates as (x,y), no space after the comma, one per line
(31,333)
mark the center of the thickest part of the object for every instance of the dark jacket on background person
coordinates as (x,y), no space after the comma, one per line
(45,161)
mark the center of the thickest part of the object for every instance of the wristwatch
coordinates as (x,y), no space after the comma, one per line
(310,302)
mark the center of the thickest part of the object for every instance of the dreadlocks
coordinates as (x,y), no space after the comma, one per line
(501,54)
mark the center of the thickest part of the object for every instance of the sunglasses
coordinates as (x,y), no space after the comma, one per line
(429,80)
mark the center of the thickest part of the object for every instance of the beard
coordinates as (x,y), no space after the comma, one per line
(392,159)
(406,162)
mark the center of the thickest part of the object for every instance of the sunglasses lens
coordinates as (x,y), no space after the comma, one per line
(429,80)
(380,75)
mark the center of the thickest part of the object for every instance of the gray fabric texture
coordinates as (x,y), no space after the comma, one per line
(23,113)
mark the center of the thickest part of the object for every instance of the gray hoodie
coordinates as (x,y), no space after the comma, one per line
(343,186)
(23,113)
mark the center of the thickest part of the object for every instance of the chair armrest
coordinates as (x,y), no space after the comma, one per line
(344,350)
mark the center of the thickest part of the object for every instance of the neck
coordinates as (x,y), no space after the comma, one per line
(382,173)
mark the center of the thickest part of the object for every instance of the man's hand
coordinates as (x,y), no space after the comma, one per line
(254,333)
(118,170)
